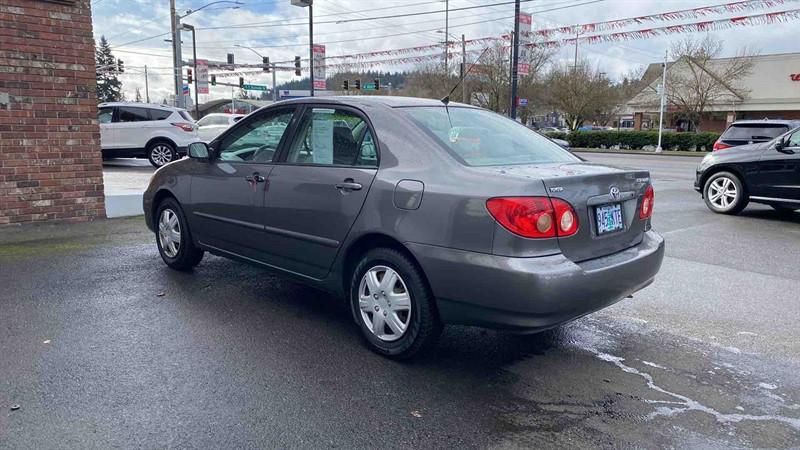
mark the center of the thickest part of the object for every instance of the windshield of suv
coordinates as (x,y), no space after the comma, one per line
(478,137)
(746,131)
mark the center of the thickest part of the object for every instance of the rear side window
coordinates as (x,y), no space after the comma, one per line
(482,138)
(159,114)
(186,116)
(329,136)
(132,114)
(105,115)
(756,131)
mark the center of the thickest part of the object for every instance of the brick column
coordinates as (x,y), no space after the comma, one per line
(50,161)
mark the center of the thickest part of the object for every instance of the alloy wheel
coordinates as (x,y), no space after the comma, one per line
(722,193)
(169,233)
(161,154)
(385,303)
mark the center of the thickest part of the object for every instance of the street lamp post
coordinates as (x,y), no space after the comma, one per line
(175,22)
(309,4)
(272,66)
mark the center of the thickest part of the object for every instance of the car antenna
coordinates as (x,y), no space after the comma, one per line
(446,98)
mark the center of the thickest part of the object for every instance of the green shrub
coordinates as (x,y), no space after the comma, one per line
(635,140)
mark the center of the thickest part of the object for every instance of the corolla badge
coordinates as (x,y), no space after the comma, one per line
(614,192)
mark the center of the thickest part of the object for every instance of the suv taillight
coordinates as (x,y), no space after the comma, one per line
(534,217)
(647,203)
(720,146)
(184,126)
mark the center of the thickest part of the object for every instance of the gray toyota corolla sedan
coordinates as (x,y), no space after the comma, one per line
(419,214)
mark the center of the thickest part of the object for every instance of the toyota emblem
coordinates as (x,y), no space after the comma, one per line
(614,192)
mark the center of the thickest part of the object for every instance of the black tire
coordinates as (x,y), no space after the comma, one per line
(784,209)
(423,327)
(736,204)
(161,153)
(187,255)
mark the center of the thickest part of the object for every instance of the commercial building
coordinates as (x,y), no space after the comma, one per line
(50,162)
(770,90)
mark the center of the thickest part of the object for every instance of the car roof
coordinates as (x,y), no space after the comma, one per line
(374,100)
(141,105)
(791,123)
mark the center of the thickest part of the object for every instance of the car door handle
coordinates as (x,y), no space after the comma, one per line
(348,185)
(255,178)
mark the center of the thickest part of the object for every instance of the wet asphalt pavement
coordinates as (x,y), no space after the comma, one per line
(102,346)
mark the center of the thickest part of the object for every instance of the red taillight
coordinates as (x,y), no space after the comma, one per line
(534,217)
(720,146)
(647,203)
(184,126)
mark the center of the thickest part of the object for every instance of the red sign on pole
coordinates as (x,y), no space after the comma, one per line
(525,20)
(319,66)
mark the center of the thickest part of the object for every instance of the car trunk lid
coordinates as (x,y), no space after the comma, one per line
(589,187)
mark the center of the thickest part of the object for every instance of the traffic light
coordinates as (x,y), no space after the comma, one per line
(265,62)
(377,84)
(120,66)
(357,85)
(189,78)
(346,85)
(241,82)
(297,66)
(230,58)
(213,80)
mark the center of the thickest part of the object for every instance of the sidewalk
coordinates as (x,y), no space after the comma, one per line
(641,152)
(125,181)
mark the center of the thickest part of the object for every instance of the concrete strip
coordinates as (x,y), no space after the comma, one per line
(124,205)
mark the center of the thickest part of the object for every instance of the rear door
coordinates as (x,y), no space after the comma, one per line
(131,131)
(317,189)
(607,202)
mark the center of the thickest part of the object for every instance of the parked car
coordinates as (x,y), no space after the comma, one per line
(420,215)
(765,172)
(744,132)
(137,130)
(211,125)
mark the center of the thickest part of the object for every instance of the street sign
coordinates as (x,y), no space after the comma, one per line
(368,86)
(254,87)
(319,66)
(523,102)
(202,76)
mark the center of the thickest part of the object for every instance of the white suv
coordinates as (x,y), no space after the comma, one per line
(157,132)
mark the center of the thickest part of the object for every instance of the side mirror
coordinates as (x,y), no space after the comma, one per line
(780,144)
(198,150)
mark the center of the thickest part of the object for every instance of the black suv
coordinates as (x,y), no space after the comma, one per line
(766,170)
(744,132)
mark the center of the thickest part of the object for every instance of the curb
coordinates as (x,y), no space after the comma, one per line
(123,205)
(685,154)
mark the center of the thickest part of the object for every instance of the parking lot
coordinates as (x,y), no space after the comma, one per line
(103,346)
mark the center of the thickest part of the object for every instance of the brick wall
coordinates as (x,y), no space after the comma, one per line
(50,161)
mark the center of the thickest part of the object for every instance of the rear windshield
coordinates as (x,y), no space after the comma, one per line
(478,137)
(746,131)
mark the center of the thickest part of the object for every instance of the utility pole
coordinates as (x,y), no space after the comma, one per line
(176,54)
(661,109)
(514,62)
(463,69)
(274,92)
(446,34)
(575,64)
(146,85)
(311,44)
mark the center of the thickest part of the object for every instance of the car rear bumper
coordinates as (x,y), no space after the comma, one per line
(533,294)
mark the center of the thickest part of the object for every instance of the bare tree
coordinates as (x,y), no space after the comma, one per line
(698,79)
(581,92)
(138,96)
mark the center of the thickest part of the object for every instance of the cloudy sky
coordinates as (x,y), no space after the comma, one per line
(278,30)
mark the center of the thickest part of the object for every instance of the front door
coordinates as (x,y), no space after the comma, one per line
(316,192)
(779,171)
(107,135)
(227,197)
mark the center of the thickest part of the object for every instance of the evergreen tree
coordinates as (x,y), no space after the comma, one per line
(109,87)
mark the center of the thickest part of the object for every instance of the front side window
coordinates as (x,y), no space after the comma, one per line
(332,136)
(794,140)
(256,140)
(105,115)
(478,137)
(131,114)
